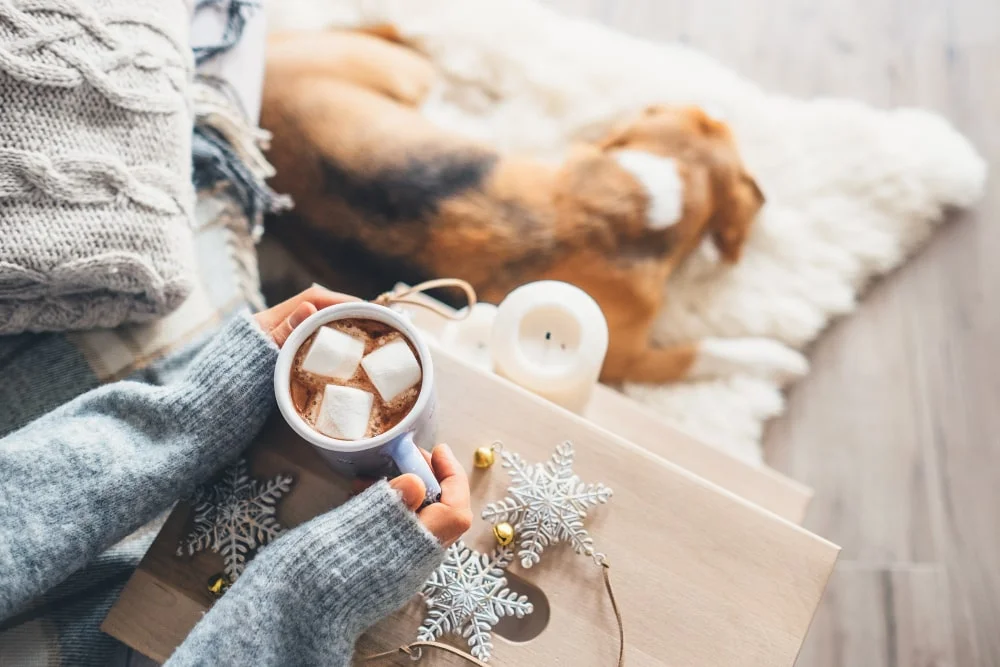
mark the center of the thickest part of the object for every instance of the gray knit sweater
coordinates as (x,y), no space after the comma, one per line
(77,480)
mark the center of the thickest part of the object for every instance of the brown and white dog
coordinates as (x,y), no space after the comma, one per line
(616,218)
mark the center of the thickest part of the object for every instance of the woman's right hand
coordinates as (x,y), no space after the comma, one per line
(451,517)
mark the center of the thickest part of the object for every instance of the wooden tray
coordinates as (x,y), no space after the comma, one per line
(704,577)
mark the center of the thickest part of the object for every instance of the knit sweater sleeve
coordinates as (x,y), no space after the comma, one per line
(78,479)
(308,596)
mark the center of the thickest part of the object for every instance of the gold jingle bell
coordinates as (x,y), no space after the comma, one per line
(504,532)
(483,457)
(218,584)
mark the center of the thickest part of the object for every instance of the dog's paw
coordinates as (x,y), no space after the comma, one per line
(759,357)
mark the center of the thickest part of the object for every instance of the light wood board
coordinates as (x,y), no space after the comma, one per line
(704,577)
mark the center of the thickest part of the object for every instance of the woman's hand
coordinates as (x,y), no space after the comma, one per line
(279,321)
(449,518)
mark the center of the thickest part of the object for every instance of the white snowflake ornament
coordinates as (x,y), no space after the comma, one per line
(547,503)
(468,595)
(235,516)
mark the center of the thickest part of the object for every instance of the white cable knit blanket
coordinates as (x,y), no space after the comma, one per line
(851,190)
(95,163)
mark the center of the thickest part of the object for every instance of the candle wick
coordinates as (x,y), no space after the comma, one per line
(548,335)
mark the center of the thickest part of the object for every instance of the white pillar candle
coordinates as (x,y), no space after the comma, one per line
(469,338)
(551,337)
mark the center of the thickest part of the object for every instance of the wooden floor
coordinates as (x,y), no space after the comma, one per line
(898,426)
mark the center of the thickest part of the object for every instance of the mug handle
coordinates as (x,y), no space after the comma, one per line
(408,459)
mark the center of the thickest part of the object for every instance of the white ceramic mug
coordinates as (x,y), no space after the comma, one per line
(377,456)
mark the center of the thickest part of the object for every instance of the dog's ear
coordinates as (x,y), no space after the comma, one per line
(705,123)
(619,134)
(386,31)
(615,138)
(731,222)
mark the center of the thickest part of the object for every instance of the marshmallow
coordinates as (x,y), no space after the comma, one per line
(392,369)
(334,354)
(344,412)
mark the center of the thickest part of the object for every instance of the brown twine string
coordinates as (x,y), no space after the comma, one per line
(602,560)
(403,294)
(415,650)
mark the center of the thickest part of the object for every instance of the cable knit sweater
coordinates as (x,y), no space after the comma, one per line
(80,478)
(95,162)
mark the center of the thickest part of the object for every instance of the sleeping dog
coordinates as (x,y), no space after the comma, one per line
(615,218)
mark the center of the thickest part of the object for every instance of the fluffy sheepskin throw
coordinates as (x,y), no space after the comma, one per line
(851,190)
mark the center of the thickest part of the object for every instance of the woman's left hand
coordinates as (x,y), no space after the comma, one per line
(279,321)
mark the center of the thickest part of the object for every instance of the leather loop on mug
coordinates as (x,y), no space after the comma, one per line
(404,294)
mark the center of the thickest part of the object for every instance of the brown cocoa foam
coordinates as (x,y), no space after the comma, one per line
(307,388)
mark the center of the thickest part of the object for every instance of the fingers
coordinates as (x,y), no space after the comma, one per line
(275,315)
(279,320)
(411,488)
(451,474)
(323,298)
(450,518)
(281,332)
(316,295)
(446,523)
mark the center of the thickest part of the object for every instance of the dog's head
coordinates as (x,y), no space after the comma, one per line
(719,197)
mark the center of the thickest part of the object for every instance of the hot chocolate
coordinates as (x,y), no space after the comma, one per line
(355,378)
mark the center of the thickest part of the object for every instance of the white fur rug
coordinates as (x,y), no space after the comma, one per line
(851,190)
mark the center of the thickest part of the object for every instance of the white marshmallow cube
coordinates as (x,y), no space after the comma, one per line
(392,369)
(344,412)
(334,354)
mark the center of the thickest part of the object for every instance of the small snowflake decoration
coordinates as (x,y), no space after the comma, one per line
(235,516)
(547,504)
(468,595)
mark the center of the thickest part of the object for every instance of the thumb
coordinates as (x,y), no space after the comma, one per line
(411,488)
(281,332)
